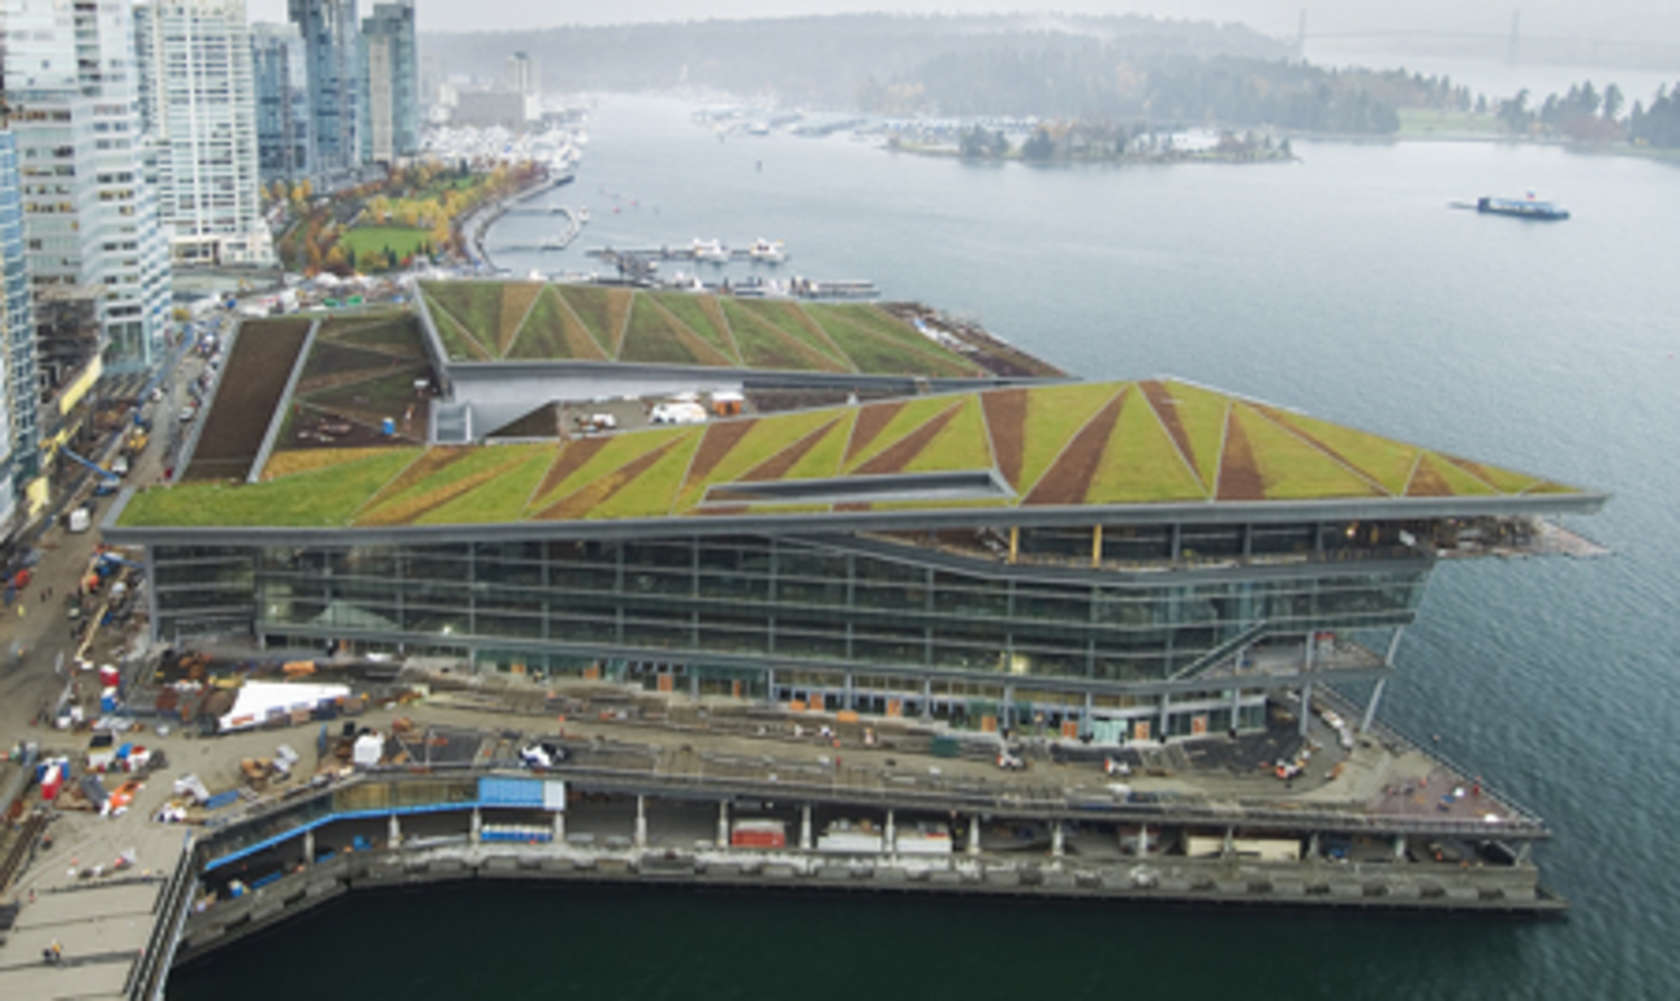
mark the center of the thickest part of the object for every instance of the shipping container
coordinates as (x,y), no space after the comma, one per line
(758,834)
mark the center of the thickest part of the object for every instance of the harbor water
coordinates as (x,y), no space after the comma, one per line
(1341,284)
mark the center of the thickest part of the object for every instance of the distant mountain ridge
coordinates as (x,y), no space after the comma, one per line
(821,60)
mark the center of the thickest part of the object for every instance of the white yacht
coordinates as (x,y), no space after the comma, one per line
(712,251)
(767,251)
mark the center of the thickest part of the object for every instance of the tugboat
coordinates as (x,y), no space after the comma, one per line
(1522,208)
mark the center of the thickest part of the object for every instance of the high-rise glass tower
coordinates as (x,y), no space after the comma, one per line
(19,436)
(280,71)
(393,83)
(198,105)
(337,81)
(90,216)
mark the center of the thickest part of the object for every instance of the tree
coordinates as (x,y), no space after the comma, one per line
(1039,146)
(1612,102)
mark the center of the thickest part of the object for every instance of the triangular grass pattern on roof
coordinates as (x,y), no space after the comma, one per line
(822,460)
(552,331)
(1387,462)
(1141,463)
(903,421)
(1054,415)
(600,457)
(1504,480)
(457,343)
(1437,476)
(897,457)
(700,314)
(1291,468)
(765,346)
(500,498)
(963,444)
(607,496)
(1006,418)
(764,438)
(781,466)
(866,331)
(436,487)
(476,305)
(517,299)
(654,335)
(1069,478)
(1201,416)
(595,307)
(787,318)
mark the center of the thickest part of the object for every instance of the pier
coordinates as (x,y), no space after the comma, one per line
(574,226)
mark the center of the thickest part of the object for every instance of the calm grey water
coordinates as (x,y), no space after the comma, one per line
(1340,284)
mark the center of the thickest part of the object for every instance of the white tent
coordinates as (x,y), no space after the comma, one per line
(257,699)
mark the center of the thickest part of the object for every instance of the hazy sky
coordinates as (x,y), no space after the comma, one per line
(1651,20)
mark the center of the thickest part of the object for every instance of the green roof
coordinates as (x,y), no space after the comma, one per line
(479,321)
(1072,444)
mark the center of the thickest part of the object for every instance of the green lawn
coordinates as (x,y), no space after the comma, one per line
(371,242)
(325,497)
(1421,122)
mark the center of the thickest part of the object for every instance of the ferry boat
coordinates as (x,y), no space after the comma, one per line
(1522,208)
(767,251)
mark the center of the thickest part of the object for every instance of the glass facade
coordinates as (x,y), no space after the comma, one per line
(337,80)
(854,619)
(20,443)
(279,70)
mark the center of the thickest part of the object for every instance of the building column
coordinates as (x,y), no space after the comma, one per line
(477,826)
(1306,687)
(769,684)
(1096,545)
(641,821)
(1143,840)
(1312,845)
(723,824)
(1014,543)
(309,847)
(559,826)
(974,834)
(1166,700)
(927,699)
(1371,705)
(891,841)
(805,828)
(1399,848)
(1085,716)
(1058,835)
(1230,846)
(393,831)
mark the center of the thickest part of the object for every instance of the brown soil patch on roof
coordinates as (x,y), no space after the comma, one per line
(852,506)
(871,419)
(1160,398)
(601,489)
(1070,476)
(246,396)
(1006,417)
(777,465)
(719,439)
(1427,481)
(570,460)
(430,462)
(908,447)
(1239,477)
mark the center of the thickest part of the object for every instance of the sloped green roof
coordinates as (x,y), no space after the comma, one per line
(480,321)
(1095,444)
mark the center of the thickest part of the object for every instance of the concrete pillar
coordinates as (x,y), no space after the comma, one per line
(1525,851)
(393,831)
(974,834)
(891,841)
(1058,835)
(1143,840)
(641,821)
(1230,846)
(477,825)
(1305,709)
(805,828)
(1312,845)
(1161,732)
(723,824)
(1399,848)
(1014,543)
(1371,705)
(559,826)
(309,847)
(1096,545)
